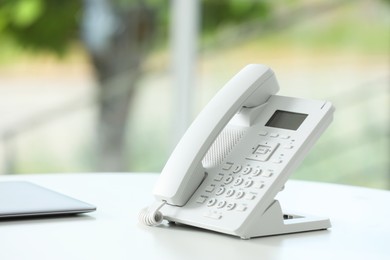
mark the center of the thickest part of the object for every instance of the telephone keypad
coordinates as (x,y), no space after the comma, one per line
(237,186)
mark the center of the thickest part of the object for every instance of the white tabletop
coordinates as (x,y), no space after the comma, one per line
(360,225)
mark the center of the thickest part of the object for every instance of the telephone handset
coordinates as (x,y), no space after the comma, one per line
(236,156)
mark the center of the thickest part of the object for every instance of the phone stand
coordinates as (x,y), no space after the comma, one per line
(274,222)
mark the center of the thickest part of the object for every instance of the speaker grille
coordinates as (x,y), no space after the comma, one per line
(222,146)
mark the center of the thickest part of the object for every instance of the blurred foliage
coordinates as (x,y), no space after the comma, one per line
(53,24)
(40,24)
(233,12)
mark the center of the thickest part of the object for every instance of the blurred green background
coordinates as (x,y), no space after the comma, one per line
(68,102)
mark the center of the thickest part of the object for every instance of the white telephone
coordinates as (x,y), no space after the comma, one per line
(236,156)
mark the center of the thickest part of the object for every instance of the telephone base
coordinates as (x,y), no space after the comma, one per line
(274,222)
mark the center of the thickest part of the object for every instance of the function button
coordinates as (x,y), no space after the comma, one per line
(249,197)
(258,185)
(238,181)
(241,208)
(247,170)
(240,194)
(263,133)
(237,169)
(263,150)
(248,183)
(219,177)
(230,192)
(227,166)
(229,180)
(211,202)
(220,191)
(267,174)
(212,215)
(210,188)
(256,172)
(230,206)
(221,204)
(284,136)
(201,200)
(274,135)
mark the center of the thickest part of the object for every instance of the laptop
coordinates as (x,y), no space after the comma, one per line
(26,199)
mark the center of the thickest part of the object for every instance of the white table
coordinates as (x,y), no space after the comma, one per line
(360,219)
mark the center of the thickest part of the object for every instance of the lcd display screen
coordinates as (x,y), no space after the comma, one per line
(286,120)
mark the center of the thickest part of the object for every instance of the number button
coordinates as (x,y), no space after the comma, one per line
(220,191)
(238,181)
(211,202)
(256,172)
(221,204)
(229,180)
(231,206)
(248,183)
(230,192)
(237,169)
(247,170)
(240,194)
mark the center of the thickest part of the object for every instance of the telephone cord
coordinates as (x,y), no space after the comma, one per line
(151,215)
